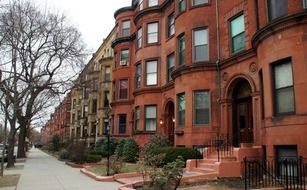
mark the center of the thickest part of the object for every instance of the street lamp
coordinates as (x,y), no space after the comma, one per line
(108,152)
(96,130)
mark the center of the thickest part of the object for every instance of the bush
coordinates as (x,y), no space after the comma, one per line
(102,147)
(56,142)
(130,151)
(93,158)
(116,164)
(120,148)
(155,142)
(64,154)
(77,151)
(172,153)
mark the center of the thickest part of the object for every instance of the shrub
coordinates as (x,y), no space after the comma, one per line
(130,151)
(156,141)
(55,143)
(64,154)
(93,158)
(102,147)
(172,153)
(77,151)
(120,148)
(116,164)
(169,176)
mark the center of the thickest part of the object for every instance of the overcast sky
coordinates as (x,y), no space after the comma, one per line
(94,18)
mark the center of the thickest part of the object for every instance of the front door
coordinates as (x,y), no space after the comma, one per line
(244,121)
(242,130)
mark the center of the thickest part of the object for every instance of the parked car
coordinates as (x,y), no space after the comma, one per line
(5,147)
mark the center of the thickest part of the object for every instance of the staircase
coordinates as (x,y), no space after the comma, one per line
(221,159)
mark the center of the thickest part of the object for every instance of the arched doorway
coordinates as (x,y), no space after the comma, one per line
(242,112)
(170,122)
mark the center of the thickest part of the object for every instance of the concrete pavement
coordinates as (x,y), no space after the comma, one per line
(44,172)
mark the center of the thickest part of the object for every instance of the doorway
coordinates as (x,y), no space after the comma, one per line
(242,131)
(170,122)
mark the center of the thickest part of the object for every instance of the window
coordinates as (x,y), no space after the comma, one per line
(152,3)
(201,107)
(284,91)
(277,8)
(141,5)
(181,109)
(123,89)
(237,34)
(106,101)
(95,84)
(94,106)
(124,57)
(150,118)
(181,5)
(122,123)
(170,25)
(152,33)
(126,28)
(151,72)
(200,45)
(305,4)
(107,74)
(170,66)
(138,76)
(198,2)
(139,38)
(181,51)
(137,118)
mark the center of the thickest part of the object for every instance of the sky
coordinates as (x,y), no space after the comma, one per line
(94,18)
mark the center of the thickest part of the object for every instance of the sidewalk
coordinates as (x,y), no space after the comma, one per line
(44,172)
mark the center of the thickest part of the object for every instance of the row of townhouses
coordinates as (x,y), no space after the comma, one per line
(195,70)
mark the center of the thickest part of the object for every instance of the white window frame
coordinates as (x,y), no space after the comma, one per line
(147,117)
(124,28)
(139,38)
(197,44)
(152,36)
(152,73)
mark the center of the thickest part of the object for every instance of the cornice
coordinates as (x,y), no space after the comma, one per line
(195,67)
(155,9)
(123,39)
(123,9)
(278,25)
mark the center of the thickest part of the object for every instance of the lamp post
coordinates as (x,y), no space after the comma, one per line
(96,130)
(108,152)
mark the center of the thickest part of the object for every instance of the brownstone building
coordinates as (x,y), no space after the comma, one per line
(197,69)
(91,95)
(59,121)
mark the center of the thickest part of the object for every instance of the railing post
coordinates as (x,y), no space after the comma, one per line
(286,172)
(245,173)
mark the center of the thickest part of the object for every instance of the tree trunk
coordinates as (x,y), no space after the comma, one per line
(10,154)
(21,153)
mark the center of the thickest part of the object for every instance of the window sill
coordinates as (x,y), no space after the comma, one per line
(152,44)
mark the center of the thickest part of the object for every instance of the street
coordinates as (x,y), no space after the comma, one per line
(44,172)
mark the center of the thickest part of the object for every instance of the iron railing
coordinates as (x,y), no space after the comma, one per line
(287,173)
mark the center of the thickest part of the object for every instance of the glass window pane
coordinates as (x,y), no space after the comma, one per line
(126,24)
(152,27)
(152,38)
(151,112)
(237,26)
(151,79)
(181,5)
(285,100)
(238,42)
(283,75)
(151,66)
(152,3)
(277,8)
(200,37)
(201,53)
(199,2)
(202,107)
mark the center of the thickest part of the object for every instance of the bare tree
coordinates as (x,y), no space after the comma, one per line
(42,54)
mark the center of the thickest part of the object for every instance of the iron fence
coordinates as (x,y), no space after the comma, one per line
(287,173)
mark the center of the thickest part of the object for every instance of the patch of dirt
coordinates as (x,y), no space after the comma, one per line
(9,180)
(220,184)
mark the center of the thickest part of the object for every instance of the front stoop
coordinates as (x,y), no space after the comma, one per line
(231,166)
